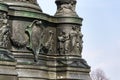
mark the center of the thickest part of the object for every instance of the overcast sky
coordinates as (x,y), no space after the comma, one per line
(101,29)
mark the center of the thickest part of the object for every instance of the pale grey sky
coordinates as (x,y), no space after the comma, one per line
(101,29)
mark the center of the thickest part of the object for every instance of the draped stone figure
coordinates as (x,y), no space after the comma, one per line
(70,43)
(76,40)
(67,43)
(73,37)
(64,43)
(4,31)
(61,40)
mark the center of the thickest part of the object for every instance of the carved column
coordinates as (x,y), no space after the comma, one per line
(69,33)
(70,63)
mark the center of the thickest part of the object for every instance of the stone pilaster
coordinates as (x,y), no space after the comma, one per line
(70,64)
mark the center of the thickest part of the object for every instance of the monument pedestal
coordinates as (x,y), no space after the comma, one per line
(37,46)
(69,68)
(73,72)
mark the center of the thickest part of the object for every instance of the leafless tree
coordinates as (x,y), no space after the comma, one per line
(98,74)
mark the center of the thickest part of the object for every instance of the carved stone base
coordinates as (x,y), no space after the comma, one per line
(27,69)
(70,68)
(72,73)
(7,70)
(32,72)
(51,67)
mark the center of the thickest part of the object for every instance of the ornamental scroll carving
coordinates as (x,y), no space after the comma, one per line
(36,35)
(41,41)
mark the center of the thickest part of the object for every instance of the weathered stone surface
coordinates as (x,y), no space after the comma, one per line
(37,46)
(7,70)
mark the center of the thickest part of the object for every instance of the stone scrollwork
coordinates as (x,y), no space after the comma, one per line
(6,55)
(39,41)
(35,32)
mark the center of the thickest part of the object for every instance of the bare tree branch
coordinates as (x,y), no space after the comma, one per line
(98,74)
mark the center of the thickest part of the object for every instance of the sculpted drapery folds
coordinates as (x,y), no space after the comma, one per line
(4,31)
(76,40)
(61,41)
(5,54)
(70,43)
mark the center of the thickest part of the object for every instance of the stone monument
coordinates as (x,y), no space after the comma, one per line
(37,46)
